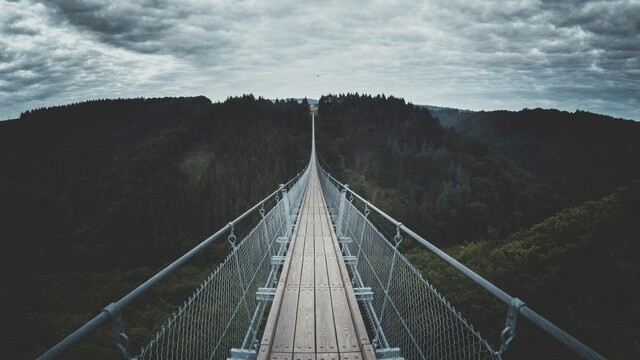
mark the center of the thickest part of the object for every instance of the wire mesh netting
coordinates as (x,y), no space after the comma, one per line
(218,315)
(411,314)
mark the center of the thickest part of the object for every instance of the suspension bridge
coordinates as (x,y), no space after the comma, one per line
(315,279)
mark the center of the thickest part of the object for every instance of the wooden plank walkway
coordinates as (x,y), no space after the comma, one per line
(315,315)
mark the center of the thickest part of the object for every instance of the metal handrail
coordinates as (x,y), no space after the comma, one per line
(110,311)
(574,344)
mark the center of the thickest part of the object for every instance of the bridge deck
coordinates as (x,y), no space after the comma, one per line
(314,315)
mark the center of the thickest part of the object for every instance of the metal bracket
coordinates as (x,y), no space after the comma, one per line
(509,332)
(398,238)
(344,240)
(350,260)
(232,237)
(243,354)
(363,294)
(265,294)
(278,260)
(388,353)
(117,322)
(287,210)
(341,206)
(282,239)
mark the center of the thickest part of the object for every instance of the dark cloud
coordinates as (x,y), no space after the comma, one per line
(601,18)
(138,26)
(471,54)
(148,27)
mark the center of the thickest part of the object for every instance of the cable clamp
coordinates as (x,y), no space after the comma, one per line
(509,332)
(232,237)
(117,322)
(398,238)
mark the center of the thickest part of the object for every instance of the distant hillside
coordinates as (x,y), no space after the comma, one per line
(447,186)
(448,116)
(579,268)
(309,101)
(127,177)
(583,155)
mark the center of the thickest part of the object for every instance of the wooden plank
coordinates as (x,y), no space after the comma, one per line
(319,245)
(295,272)
(308,272)
(351,356)
(325,326)
(326,219)
(333,271)
(321,276)
(281,356)
(263,354)
(345,331)
(329,250)
(309,246)
(343,268)
(326,228)
(298,242)
(328,356)
(285,328)
(302,356)
(305,338)
(302,225)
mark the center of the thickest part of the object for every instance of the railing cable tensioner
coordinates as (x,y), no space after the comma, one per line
(509,332)
(117,322)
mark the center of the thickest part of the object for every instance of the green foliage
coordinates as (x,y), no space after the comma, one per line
(441,184)
(581,155)
(579,269)
(88,189)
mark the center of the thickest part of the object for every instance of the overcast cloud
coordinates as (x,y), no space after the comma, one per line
(569,54)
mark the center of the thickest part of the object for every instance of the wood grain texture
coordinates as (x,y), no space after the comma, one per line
(305,338)
(286,326)
(326,340)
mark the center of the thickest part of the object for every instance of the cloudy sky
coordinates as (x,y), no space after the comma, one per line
(473,54)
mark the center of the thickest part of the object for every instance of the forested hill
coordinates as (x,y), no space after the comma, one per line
(579,268)
(95,197)
(582,154)
(506,195)
(449,187)
(134,182)
(493,173)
